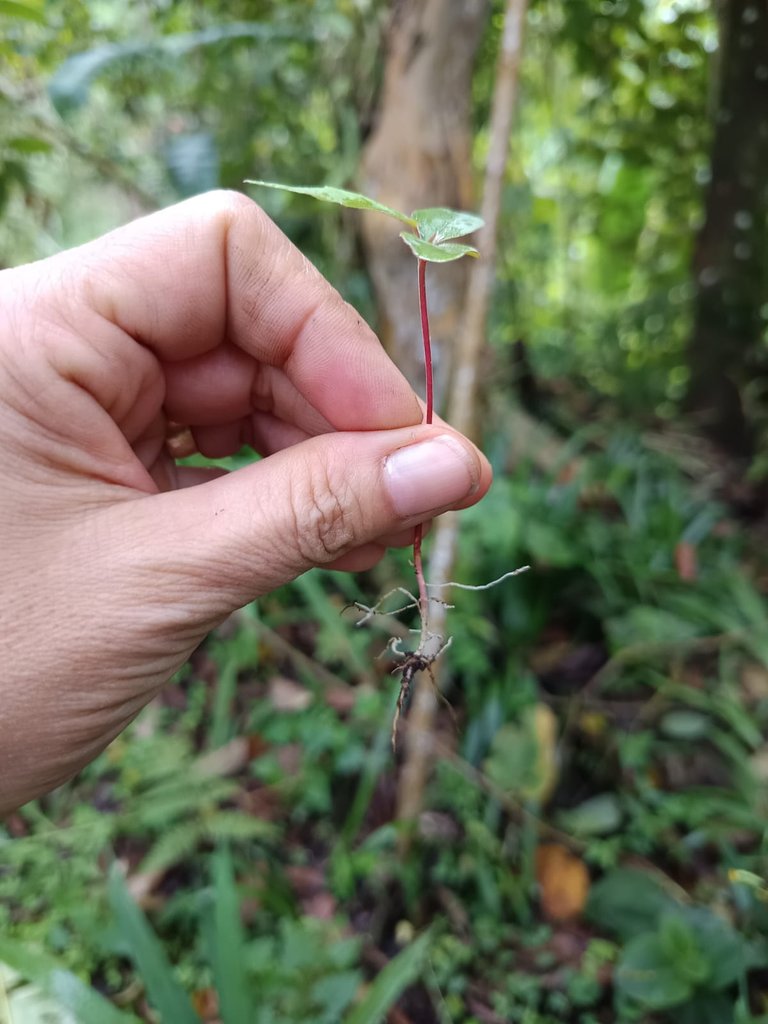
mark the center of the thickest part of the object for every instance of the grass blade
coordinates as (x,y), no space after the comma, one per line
(226,942)
(391,982)
(144,948)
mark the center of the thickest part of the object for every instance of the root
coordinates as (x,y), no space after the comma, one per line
(430,646)
(413,662)
(369,611)
(482,586)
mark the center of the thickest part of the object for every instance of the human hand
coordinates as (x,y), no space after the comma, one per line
(116,562)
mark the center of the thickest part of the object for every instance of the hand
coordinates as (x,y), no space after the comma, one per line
(116,561)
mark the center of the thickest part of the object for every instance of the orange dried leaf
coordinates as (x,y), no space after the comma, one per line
(563,882)
(206,1003)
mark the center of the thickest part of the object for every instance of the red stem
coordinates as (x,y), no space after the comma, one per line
(426,339)
(418,533)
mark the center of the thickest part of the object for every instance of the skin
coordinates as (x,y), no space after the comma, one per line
(115,561)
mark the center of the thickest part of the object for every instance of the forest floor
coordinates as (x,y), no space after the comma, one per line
(592,847)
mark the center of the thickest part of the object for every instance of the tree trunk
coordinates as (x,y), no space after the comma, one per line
(727,356)
(420,155)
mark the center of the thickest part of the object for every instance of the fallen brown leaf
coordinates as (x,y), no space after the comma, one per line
(563,882)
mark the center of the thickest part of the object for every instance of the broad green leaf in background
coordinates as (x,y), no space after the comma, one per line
(437,224)
(61,986)
(193,161)
(391,982)
(146,951)
(443,253)
(644,624)
(28,10)
(523,755)
(730,954)
(628,902)
(708,1008)
(70,84)
(683,949)
(645,975)
(340,196)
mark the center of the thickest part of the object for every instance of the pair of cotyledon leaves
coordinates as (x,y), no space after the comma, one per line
(435,225)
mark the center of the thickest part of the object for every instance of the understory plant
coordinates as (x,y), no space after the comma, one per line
(431,238)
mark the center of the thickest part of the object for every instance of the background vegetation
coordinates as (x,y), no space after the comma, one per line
(592,844)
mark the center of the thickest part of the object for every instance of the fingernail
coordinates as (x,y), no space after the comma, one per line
(430,475)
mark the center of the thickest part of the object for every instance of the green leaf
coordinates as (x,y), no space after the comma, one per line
(147,953)
(628,902)
(237,825)
(193,161)
(63,987)
(730,954)
(645,975)
(29,144)
(522,759)
(686,725)
(340,196)
(437,224)
(178,841)
(391,981)
(598,816)
(437,253)
(708,1008)
(227,948)
(683,950)
(645,624)
(335,992)
(549,544)
(511,762)
(70,83)
(32,10)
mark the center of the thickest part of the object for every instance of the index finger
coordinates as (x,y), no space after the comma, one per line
(216,268)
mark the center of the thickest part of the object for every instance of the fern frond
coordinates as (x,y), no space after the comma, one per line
(236,825)
(176,844)
(177,799)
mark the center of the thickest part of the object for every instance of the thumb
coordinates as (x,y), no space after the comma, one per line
(241,535)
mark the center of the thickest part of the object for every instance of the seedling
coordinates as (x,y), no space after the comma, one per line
(431,239)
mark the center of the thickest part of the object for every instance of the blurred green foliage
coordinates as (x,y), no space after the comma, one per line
(250,811)
(658,760)
(605,186)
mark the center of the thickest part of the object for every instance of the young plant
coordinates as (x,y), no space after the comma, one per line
(432,239)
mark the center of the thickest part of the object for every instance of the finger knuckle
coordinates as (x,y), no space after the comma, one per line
(228,202)
(325,513)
